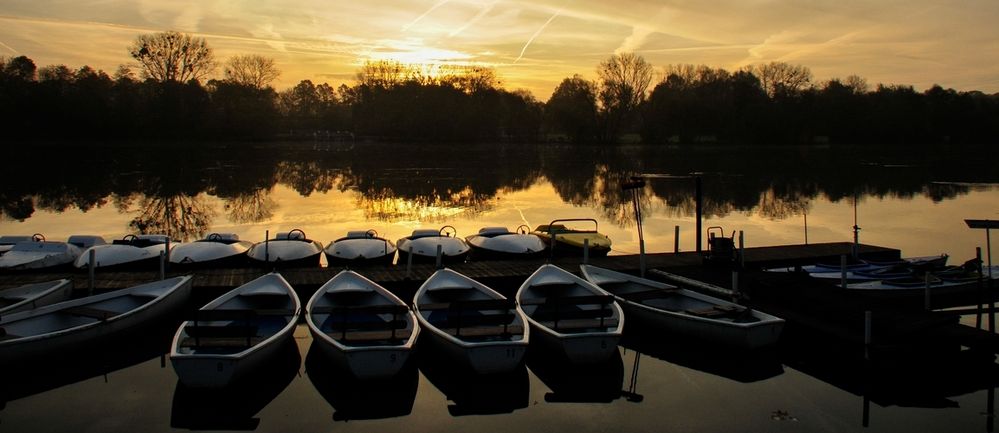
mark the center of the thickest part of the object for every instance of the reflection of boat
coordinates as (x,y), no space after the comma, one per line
(424,243)
(361,326)
(741,365)
(291,249)
(576,318)
(571,383)
(354,399)
(216,250)
(108,356)
(476,326)
(360,248)
(500,243)
(569,241)
(39,254)
(235,407)
(130,252)
(236,333)
(34,295)
(476,394)
(51,329)
(662,307)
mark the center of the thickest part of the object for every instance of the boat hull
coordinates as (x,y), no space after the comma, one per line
(586,348)
(480,358)
(70,334)
(369,364)
(286,253)
(36,295)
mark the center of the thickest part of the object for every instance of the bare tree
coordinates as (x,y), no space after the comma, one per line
(781,79)
(628,72)
(251,70)
(173,56)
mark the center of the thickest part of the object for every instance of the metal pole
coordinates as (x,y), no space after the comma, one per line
(166,262)
(162,265)
(742,246)
(981,289)
(586,251)
(992,305)
(842,270)
(806,226)
(856,230)
(699,199)
(926,294)
(440,254)
(676,239)
(267,250)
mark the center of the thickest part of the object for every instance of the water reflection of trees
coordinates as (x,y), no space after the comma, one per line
(166,186)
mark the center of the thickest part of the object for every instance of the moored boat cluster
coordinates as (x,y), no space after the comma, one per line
(368,331)
(295,249)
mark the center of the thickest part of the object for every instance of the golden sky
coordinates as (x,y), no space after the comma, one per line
(534,44)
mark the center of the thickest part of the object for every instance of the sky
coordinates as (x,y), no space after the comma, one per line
(534,44)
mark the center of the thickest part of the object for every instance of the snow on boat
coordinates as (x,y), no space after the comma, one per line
(501,243)
(231,336)
(362,327)
(76,324)
(291,249)
(661,307)
(424,242)
(217,250)
(34,295)
(130,252)
(360,248)
(472,324)
(571,316)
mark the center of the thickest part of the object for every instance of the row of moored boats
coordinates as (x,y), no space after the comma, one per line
(295,249)
(371,332)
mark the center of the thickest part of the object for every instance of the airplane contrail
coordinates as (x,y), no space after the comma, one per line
(543,26)
(432,8)
(8,47)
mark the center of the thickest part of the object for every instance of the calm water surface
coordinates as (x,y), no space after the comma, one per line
(915,202)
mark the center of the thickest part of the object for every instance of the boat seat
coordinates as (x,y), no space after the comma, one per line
(580,324)
(230,315)
(337,325)
(484,331)
(647,294)
(217,331)
(717,311)
(569,312)
(570,300)
(220,342)
(473,305)
(394,309)
(92,312)
(376,335)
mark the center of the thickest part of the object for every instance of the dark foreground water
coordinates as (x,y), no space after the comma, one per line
(655,385)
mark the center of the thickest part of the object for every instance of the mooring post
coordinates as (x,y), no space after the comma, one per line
(676,239)
(842,271)
(91,268)
(867,334)
(440,255)
(736,295)
(742,246)
(267,250)
(699,209)
(586,251)
(409,262)
(981,288)
(166,263)
(162,265)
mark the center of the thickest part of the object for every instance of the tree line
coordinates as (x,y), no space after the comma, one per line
(170,96)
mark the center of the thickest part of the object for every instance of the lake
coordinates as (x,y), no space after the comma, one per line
(915,201)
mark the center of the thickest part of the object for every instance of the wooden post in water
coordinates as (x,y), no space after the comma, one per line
(440,255)
(676,239)
(586,251)
(91,270)
(166,262)
(742,250)
(736,295)
(267,250)
(162,265)
(699,209)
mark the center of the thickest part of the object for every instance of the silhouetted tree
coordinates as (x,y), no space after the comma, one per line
(624,80)
(572,108)
(780,79)
(173,56)
(251,70)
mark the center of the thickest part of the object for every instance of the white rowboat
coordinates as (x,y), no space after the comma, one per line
(34,295)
